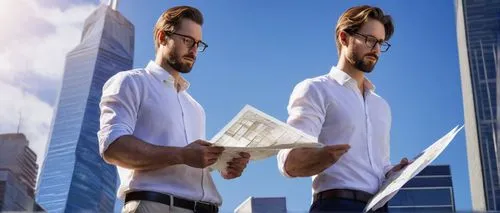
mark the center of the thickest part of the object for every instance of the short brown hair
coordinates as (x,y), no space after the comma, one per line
(170,20)
(353,18)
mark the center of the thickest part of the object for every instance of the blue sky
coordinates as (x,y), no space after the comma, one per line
(258,50)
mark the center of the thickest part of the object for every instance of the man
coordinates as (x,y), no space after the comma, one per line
(342,109)
(153,130)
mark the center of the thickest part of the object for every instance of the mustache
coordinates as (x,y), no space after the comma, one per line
(372,55)
(191,56)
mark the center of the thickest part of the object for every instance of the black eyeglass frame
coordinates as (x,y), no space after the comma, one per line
(384,45)
(201,46)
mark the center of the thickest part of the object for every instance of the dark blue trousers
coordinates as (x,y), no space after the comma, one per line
(340,205)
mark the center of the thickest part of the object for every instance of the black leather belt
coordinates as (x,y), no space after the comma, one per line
(196,206)
(345,194)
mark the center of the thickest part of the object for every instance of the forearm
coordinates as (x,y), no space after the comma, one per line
(305,162)
(132,153)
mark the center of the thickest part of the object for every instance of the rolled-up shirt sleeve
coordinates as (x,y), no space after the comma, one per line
(306,112)
(119,105)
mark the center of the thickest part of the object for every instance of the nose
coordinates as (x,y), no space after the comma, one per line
(377,48)
(194,49)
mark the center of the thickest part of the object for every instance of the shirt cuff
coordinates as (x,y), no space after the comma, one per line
(107,135)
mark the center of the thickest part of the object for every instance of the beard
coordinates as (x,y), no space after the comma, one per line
(175,61)
(361,64)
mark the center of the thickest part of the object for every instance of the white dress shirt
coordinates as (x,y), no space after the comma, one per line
(146,104)
(332,108)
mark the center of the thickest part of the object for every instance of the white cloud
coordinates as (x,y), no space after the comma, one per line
(36,115)
(34,41)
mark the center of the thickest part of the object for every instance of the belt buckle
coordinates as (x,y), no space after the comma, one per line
(198,207)
(195,205)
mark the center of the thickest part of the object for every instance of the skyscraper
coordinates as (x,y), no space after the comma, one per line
(74,177)
(262,205)
(18,170)
(478,36)
(430,191)
(15,195)
(16,156)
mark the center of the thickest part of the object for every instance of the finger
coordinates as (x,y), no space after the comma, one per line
(400,168)
(245,161)
(212,152)
(212,156)
(338,152)
(210,162)
(233,172)
(237,168)
(203,143)
(338,147)
(210,159)
(215,149)
(244,155)
(237,164)
(239,160)
(227,175)
(404,161)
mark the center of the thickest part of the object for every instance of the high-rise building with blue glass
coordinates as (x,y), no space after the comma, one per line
(262,204)
(74,177)
(430,191)
(478,36)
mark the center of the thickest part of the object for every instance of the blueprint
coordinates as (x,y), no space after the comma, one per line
(396,180)
(258,134)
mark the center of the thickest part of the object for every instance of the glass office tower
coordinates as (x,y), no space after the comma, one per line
(478,36)
(74,177)
(430,191)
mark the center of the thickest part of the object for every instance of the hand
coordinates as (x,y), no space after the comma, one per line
(402,164)
(236,166)
(334,152)
(200,154)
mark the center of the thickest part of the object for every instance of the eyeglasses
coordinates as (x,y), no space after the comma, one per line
(371,41)
(190,41)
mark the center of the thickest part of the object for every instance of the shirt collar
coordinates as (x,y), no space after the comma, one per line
(341,77)
(165,77)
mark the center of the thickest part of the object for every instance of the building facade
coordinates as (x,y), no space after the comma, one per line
(16,156)
(430,191)
(262,205)
(478,37)
(74,177)
(15,195)
(18,170)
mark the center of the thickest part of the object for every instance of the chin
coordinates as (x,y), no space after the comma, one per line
(185,71)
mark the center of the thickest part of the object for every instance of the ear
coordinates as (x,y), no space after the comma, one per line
(160,37)
(344,38)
